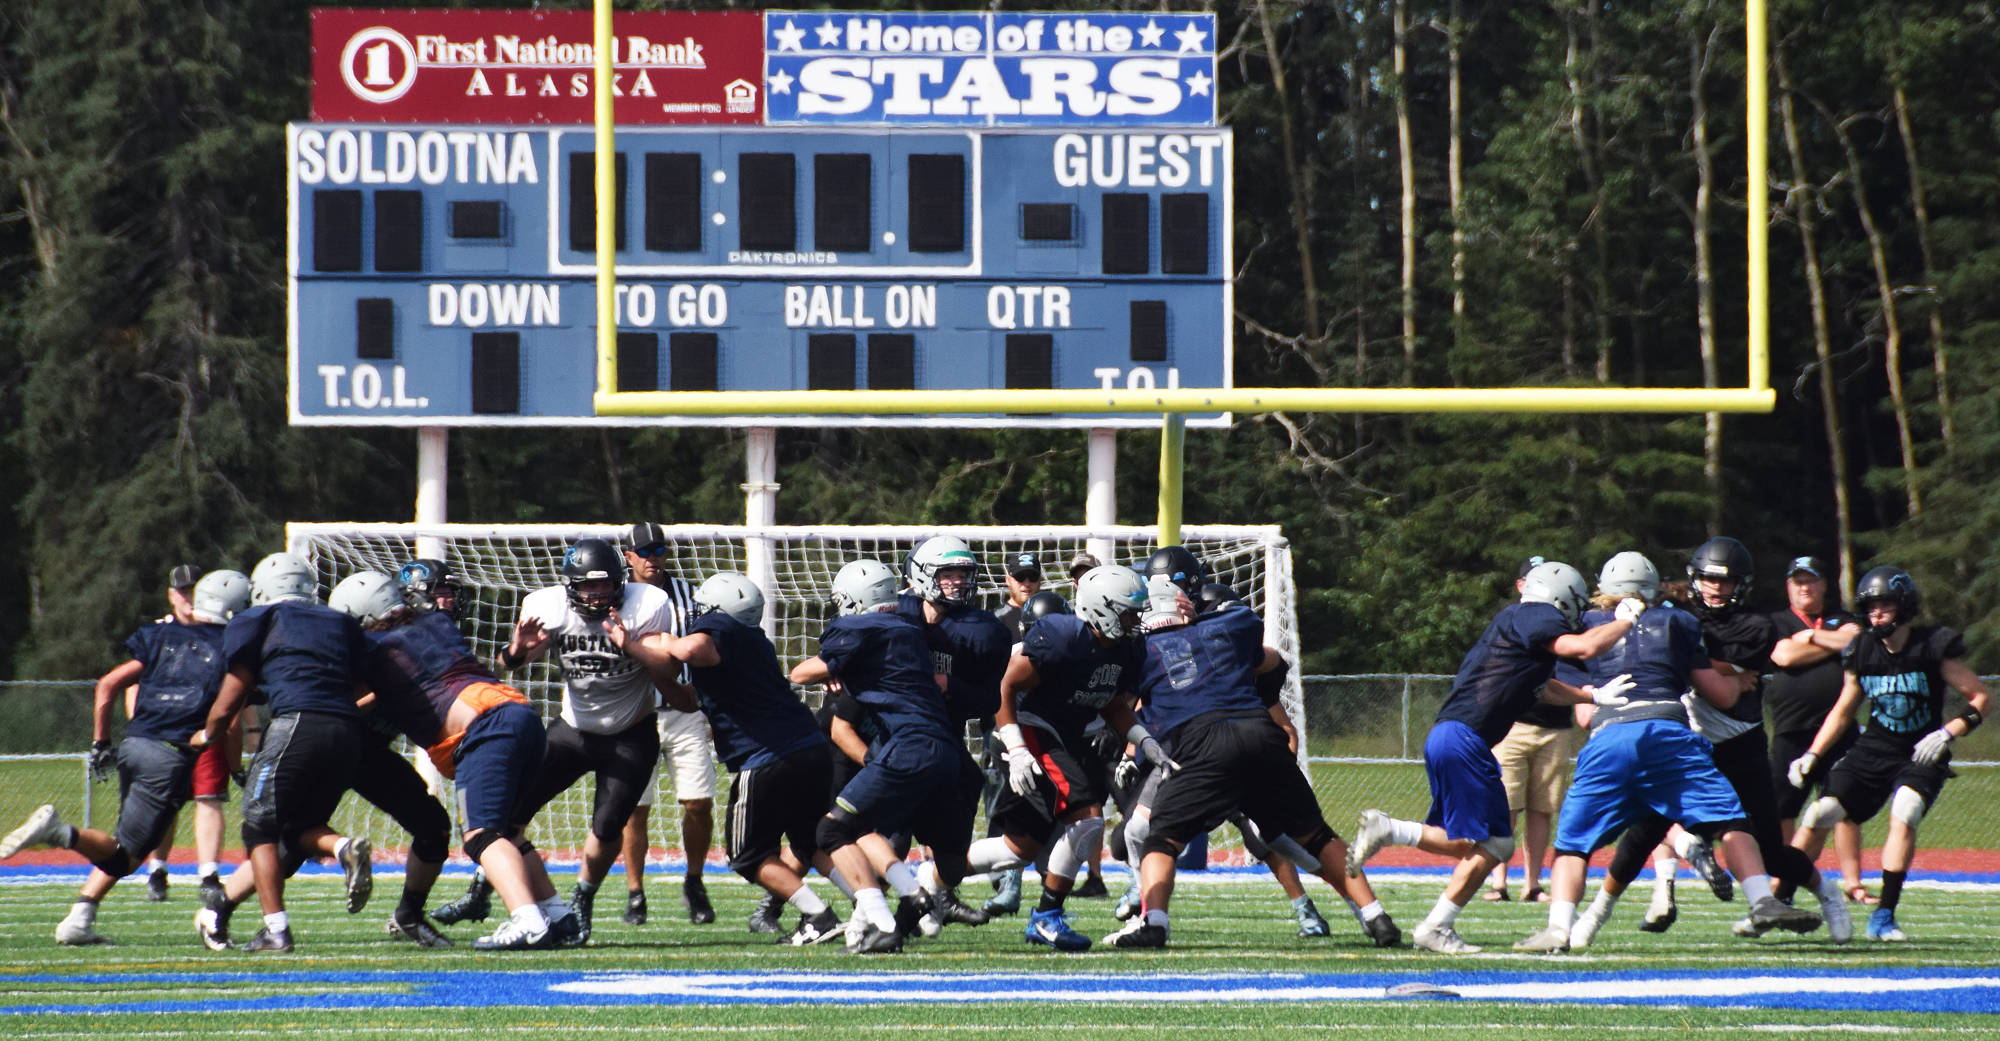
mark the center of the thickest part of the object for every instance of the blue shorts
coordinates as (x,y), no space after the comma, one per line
(1629,769)
(499,752)
(1468,799)
(901,777)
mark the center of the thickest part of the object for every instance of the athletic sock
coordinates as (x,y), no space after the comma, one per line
(84,908)
(1892,889)
(1155,916)
(1562,915)
(278,922)
(585,886)
(1369,913)
(1756,887)
(875,906)
(901,879)
(1665,870)
(553,908)
(1681,842)
(992,854)
(1051,900)
(1606,900)
(155,864)
(531,919)
(209,869)
(1443,914)
(1405,833)
(807,901)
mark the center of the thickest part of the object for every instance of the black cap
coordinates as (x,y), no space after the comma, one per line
(1530,564)
(1814,566)
(645,533)
(183,576)
(1025,565)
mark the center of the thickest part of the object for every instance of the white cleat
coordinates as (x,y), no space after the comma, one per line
(1370,835)
(1748,929)
(1833,907)
(1442,941)
(1548,940)
(1586,927)
(78,931)
(42,828)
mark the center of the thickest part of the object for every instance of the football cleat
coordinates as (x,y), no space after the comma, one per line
(1311,924)
(1091,888)
(815,929)
(695,894)
(581,906)
(1833,906)
(1052,929)
(156,886)
(765,918)
(1773,913)
(1547,940)
(1383,931)
(1370,835)
(946,905)
(1138,935)
(268,942)
(76,930)
(910,911)
(635,907)
(1882,926)
(511,936)
(1442,940)
(568,931)
(1128,905)
(42,828)
(358,872)
(418,931)
(210,889)
(474,906)
(211,923)
(1701,857)
(1659,919)
(1007,899)
(1748,928)
(875,941)
(1586,927)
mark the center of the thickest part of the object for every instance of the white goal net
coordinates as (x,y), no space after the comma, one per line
(500,564)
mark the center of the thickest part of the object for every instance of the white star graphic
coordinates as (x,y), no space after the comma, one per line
(1198,84)
(1190,38)
(1150,35)
(790,37)
(829,34)
(781,82)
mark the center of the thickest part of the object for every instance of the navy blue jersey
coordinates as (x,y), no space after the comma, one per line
(417,671)
(882,660)
(1661,652)
(1079,674)
(971,648)
(1199,669)
(183,671)
(1905,689)
(304,657)
(755,716)
(1503,673)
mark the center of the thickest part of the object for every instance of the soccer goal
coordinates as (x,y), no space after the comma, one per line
(501,564)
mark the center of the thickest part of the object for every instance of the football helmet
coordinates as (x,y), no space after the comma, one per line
(734,595)
(864,585)
(373,598)
(429,584)
(937,555)
(1040,606)
(1724,557)
(1214,597)
(282,576)
(219,595)
(588,560)
(1180,566)
(1630,574)
(1558,585)
(1892,584)
(1110,599)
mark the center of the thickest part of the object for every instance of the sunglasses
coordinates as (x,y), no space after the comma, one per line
(654,551)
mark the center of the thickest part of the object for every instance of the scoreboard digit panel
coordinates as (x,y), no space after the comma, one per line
(442,276)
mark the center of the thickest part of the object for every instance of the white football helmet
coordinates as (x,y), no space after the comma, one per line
(938,554)
(1558,585)
(1110,599)
(219,595)
(863,586)
(372,597)
(734,595)
(1630,574)
(282,576)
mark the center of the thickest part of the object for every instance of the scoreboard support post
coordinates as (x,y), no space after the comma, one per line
(1173,441)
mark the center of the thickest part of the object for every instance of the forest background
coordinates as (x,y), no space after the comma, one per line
(1429,193)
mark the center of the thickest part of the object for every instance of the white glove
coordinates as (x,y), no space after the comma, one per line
(1023,772)
(1629,609)
(1931,749)
(1126,772)
(1612,694)
(1151,749)
(1800,769)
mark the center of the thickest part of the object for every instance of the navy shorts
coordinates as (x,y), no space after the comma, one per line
(153,783)
(903,776)
(500,750)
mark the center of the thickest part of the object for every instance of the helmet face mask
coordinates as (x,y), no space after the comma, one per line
(1887,585)
(592,575)
(429,585)
(1719,562)
(944,571)
(1110,600)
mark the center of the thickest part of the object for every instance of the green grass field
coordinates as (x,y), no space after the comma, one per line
(348,977)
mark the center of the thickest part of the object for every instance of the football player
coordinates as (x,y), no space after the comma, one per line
(1903,758)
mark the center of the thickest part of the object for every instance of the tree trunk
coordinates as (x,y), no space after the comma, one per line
(1701,50)
(1455,164)
(1921,209)
(1408,212)
(1584,131)
(1301,196)
(1803,205)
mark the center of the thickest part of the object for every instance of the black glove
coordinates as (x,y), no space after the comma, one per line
(103,760)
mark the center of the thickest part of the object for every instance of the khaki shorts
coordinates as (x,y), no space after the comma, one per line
(1535,765)
(684,743)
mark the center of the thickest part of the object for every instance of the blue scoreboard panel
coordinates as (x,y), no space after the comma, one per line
(446,275)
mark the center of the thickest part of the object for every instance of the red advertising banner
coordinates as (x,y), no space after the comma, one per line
(372,65)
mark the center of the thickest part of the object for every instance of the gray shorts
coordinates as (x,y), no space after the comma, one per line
(154,779)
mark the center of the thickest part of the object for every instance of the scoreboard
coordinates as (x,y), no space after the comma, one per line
(444,274)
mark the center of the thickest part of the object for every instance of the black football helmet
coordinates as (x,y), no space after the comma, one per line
(1040,606)
(429,584)
(590,559)
(1215,597)
(1723,557)
(1892,584)
(1176,563)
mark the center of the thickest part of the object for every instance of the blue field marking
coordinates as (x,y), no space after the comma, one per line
(1870,990)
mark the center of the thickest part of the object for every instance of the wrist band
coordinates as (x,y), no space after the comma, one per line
(509,659)
(1971,718)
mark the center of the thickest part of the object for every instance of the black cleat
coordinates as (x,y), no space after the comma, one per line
(568,931)
(816,929)
(268,942)
(156,886)
(474,906)
(875,941)
(1092,888)
(1383,931)
(1137,934)
(1773,913)
(635,907)
(357,869)
(1653,923)
(211,923)
(581,904)
(210,889)
(417,930)
(765,919)
(695,894)
(911,910)
(1701,857)
(948,908)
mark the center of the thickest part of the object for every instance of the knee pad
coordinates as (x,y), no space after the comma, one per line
(839,828)
(476,845)
(432,846)
(1499,847)
(1160,844)
(1825,812)
(527,848)
(119,864)
(1908,806)
(1082,838)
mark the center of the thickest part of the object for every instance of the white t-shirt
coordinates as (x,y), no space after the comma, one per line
(605,690)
